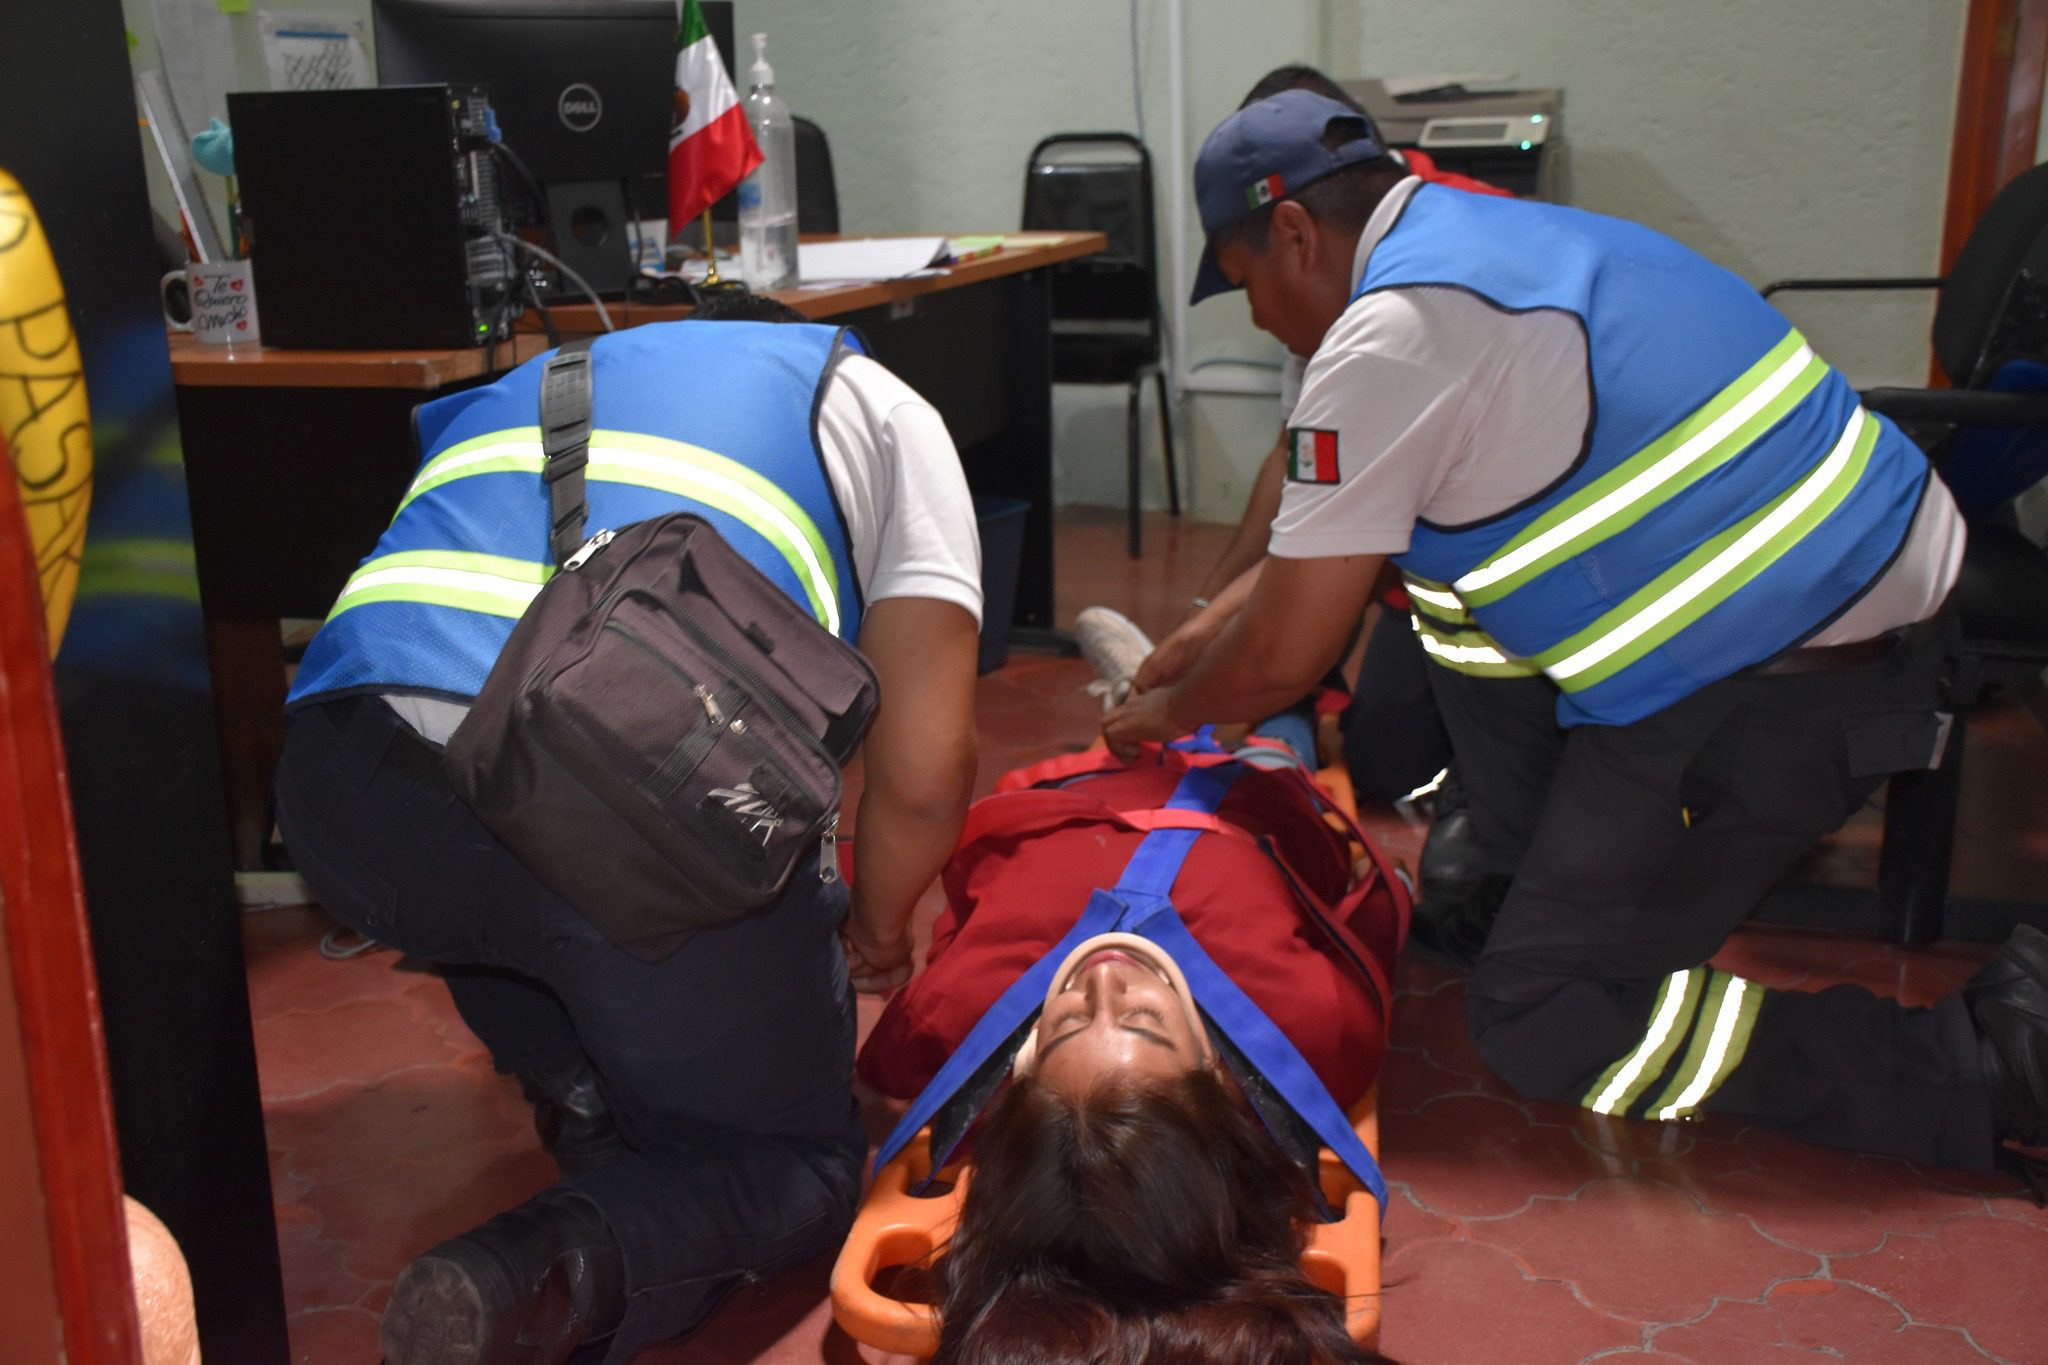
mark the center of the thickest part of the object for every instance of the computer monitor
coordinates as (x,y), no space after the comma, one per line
(583,89)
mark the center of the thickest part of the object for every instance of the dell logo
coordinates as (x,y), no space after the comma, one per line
(579,108)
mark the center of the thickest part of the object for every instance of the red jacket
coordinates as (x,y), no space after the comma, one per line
(1424,165)
(1029,860)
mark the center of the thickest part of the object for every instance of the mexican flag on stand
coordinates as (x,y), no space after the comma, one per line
(710,147)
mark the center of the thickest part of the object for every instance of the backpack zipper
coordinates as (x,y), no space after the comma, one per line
(587,549)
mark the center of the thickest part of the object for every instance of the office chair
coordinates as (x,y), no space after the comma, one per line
(1990,326)
(817,191)
(1105,308)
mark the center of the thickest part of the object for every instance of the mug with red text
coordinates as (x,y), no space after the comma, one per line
(223,302)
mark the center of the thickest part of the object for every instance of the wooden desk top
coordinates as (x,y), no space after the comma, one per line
(197,365)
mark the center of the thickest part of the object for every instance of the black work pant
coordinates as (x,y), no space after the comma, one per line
(1393,740)
(727,1065)
(1637,849)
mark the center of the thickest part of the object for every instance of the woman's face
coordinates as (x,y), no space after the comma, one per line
(1115,1011)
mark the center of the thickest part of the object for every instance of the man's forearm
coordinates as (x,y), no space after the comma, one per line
(1293,624)
(1248,543)
(1235,680)
(900,851)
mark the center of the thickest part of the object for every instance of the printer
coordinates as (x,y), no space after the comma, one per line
(1509,138)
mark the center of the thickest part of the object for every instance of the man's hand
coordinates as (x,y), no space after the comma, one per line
(875,967)
(1172,657)
(1145,716)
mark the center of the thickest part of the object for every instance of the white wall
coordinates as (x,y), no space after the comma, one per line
(1781,137)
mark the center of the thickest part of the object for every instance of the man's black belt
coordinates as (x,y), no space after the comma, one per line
(1855,654)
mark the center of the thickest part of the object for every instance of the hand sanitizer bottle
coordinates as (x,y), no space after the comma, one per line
(768,196)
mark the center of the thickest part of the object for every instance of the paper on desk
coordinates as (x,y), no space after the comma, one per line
(869,258)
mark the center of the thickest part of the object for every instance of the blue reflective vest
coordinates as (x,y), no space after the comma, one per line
(712,418)
(1732,496)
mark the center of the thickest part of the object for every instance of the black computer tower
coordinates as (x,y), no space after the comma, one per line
(374,217)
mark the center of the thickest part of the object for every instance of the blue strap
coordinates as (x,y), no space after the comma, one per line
(1147,877)
(1262,1043)
(1011,1009)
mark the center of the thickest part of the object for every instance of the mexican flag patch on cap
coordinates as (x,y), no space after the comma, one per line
(1314,455)
(1260,193)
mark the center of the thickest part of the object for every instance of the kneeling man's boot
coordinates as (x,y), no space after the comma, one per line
(1456,900)
(2008,1002)
(525,1288)
(571,1117)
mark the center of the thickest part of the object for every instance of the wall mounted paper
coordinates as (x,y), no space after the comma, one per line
(314,52)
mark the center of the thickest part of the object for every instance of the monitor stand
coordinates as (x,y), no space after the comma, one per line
(588,221)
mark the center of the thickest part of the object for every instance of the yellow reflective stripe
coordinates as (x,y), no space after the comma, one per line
(1439,596)
(139,566)
(1714,571)
(1470,652)
(492,584)
(1624,1082)
(671,467)
(1719,430)
(520,444)
(731,487)
(156,554)
(1717,1047)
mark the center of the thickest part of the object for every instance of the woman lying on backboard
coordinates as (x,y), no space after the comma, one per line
(1167,983)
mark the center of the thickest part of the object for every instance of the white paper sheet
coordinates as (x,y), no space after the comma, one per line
(868,258)
(314,52)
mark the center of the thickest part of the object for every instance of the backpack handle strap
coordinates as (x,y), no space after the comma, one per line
(565,405)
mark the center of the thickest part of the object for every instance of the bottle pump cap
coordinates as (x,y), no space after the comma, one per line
(760,73)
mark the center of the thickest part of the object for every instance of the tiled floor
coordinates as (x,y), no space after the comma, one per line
(1518,1232)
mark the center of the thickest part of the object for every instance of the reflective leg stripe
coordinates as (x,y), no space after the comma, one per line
(671,467)
(1622,1084)
(1718,1044)
(1470,651)
(491,584)
(1721,429)
(1715,570)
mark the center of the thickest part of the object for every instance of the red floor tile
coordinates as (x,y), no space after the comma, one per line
(1518,1232)
(1982,1275)
(1454,1300)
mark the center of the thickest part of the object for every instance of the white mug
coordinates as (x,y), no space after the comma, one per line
(223,299)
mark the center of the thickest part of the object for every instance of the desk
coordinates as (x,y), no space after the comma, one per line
(296,460)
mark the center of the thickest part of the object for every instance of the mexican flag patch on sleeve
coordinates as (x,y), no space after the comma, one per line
(1313,455)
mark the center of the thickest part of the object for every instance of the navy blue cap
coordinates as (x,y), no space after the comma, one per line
(1263,152)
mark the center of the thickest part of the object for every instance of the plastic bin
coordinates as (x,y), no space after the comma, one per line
(1002,557)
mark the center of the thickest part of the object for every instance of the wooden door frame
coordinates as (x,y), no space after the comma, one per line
(56,996)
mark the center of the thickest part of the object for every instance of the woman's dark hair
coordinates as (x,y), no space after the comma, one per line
(1145,1225)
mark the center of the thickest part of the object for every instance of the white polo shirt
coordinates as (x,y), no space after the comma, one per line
(909,517)
(1448,410)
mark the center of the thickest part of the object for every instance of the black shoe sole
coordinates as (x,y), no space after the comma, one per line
(452,1306)
(437,1316)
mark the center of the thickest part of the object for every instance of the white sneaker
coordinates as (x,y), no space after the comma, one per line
(1114,648)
